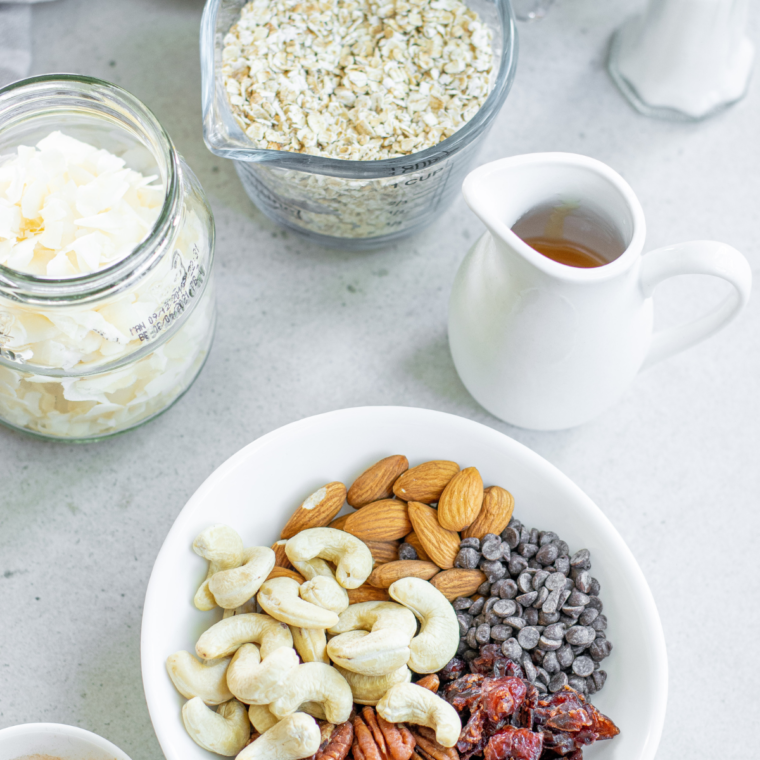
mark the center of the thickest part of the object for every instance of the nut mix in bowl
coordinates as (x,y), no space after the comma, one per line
(337,633)
(256,492)
(353,123)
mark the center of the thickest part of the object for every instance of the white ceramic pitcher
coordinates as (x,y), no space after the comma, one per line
(548,346)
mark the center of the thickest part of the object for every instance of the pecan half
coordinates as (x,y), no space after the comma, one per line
(428,748)
(336,741)
(430,682)
(399,739)
(377,739)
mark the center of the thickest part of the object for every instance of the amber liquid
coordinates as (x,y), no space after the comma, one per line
(571,235)
(565,252)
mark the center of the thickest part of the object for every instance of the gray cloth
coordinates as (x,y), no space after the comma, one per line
(15,39)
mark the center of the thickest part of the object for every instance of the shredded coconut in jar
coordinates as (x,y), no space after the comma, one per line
(356,79)
(68,208)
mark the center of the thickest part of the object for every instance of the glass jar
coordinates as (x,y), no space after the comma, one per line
(341,203)
(93,355)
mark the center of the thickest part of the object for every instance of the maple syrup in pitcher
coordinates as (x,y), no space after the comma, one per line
(570,234)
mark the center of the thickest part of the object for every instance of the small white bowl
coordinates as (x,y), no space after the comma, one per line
(257,489)
(56,740)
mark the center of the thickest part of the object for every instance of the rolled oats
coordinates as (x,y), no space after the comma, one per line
(356,79)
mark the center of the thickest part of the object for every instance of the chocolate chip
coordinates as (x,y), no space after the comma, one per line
(551,663)
(528,637)
(467,559)
(531,615)
(511,648)
(407,551)
(527,599)
(511,536)
(463,603)
(501,632)
(470,543)
(581,559)
(599,649)
(543,594)
(580,636)
(547,554)
(506,588)
(557,682)
(505,607)
(577,683)
(583,666)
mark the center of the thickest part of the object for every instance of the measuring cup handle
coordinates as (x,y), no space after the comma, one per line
(696,257)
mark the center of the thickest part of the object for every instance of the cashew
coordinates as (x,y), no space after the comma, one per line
(249,606)
(234,587)
(311,644)
(296,737)
(351,556)
(315,709)
(384,650)
(261,718)
(409,703)
(257,681)
(195,679)
(438,639)
(369,690)
(223,548)
(315,682)
(325,592)
(226,636)
(313,568)
(225,731)
(204,599)
(279,597)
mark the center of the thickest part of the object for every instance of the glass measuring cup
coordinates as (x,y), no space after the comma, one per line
(350,204)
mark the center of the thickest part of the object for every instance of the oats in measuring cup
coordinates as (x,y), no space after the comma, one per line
(356,79)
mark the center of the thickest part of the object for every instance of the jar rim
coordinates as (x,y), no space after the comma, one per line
(93,286)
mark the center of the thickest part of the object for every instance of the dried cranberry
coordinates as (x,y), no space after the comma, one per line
(502,696)
(453,670)
(514,744)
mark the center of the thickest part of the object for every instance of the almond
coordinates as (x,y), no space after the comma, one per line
(413,540)
(461,500)
(384,520)
(280,558)
(494,515)
(441,545)
(367,593)
(317,510)
(390,572)
(455,583)
(339,522)
(425,482)
(383,551)
(377,482)
(283,572)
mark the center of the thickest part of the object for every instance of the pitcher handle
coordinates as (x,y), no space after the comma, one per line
(696,257)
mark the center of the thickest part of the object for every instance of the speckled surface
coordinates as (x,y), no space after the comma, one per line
(304,330)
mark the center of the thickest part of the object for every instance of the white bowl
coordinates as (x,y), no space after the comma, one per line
(56,740)
(257,489)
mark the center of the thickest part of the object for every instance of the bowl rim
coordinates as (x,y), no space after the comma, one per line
(414,416)
(63,729)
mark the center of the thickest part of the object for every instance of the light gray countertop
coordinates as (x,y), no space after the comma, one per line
(304,330)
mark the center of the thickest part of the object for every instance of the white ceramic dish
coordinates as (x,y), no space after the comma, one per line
(256,490)
(56,740)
